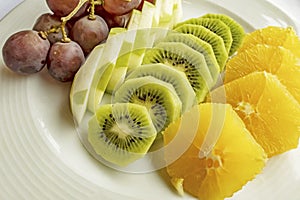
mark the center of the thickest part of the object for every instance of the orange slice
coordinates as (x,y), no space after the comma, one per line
(273,35)
(269,111)
(274,59)
(222,156)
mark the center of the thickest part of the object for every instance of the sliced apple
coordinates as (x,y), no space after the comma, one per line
(104,70)
(177,12)
(134,20)
(166,13)
(82,83)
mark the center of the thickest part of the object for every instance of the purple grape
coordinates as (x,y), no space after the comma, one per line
(88,33)
(113,20)
(120,20)
(25,52)
(47,21)
(64,60)
(62,8)
(120,7)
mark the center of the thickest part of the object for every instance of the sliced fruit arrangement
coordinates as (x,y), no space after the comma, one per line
(132,48)
(156,78)
(119,52)
(156,72)
(219,171)
(166,72)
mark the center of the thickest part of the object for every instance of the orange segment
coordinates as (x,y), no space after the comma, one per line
(273,35)
(233,159)
(274,59)
(269,111)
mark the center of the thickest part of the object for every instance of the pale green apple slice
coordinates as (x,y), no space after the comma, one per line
(82,83)
(134,20)
(120,68)
(132,58)
(118,74)
(144,38)
(104,71)
(166,13)
(119,71)
(156,16)
(147,18)
(139,20)
(98,88)
(122,61)
(177,12)
(116,30)
(138,52)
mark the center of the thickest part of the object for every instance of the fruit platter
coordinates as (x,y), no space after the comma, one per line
(149,99)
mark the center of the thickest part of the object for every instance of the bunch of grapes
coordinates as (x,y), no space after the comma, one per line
(64,37)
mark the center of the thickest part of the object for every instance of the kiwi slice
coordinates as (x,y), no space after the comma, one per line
(215,25)
(121,133)
(200,46)
(157,96)
(205,34)
(185,59)
(170,75)
(237,31)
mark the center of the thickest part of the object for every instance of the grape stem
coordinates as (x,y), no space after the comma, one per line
(65,19)
(45,34)
(92,8)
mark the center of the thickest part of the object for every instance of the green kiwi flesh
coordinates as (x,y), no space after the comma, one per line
(185,59)
(157,96)
(170,75)
(237,31)
(205,34)
(215,25)
(201,46)
(121,133)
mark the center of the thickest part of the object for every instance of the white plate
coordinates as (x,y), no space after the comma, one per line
(41,156)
